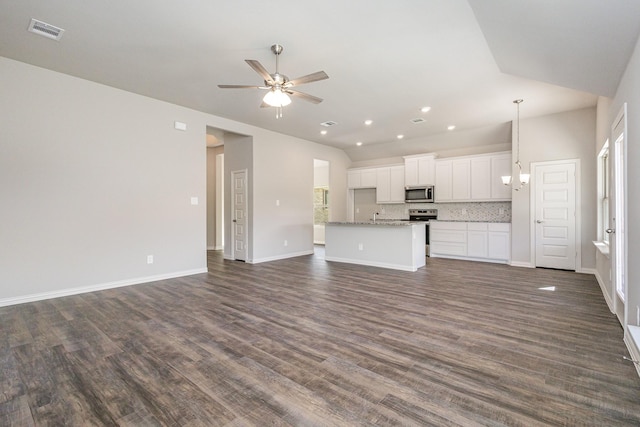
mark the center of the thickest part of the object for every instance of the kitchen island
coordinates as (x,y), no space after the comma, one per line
(399,245)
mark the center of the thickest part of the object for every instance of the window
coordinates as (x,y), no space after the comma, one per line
(603,193)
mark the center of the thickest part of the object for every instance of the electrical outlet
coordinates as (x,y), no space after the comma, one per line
(286,243)
(360,247)
(501,211)
(464,211)
(149,259)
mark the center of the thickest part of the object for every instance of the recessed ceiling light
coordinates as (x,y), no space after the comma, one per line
(358,143)
(323,132)
(400,136)
(425,109)
(368,122)
(452,127)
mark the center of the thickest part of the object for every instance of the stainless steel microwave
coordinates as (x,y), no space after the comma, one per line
(419,194)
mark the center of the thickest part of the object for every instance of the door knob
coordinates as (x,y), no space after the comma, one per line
(610,230)
(235,220)
(539,221)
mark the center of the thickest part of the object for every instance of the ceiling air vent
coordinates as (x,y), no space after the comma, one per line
(45,30)
(417,120)
(328,123)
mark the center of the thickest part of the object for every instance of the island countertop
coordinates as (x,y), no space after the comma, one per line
(393,222)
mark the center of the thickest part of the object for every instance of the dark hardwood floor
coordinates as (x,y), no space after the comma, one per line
(304,342)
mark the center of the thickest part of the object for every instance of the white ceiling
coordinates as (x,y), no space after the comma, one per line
(468,60)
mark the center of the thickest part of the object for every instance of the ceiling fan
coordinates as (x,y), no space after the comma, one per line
(279,85)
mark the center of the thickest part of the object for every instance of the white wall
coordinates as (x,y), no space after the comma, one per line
(568,135)
(284,172)
(629,92)
(603,262)
(92,180)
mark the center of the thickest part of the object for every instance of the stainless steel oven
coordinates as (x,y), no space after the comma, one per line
(424,215)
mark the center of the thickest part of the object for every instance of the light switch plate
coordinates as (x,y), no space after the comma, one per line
(194,200)
(180,126)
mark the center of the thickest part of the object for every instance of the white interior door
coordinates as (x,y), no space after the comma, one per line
(555,215)
(617,224)
(239,224)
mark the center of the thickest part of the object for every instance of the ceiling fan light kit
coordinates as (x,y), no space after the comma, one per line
(279,85)
(523,177)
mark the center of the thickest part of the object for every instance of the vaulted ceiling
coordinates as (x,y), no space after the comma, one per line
(467,60)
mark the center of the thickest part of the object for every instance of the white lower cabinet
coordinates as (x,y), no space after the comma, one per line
(479,241)
(448,238)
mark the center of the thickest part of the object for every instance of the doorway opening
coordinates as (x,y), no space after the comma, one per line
(215,189)
(320,199)
(555,240)
(617,229)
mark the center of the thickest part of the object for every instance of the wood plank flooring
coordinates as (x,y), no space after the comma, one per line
(304,342)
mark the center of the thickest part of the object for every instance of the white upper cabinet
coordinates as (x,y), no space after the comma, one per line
(390,188)
(362,178)
(443,181)
(419,170)
(460,184)
(481,178)
(472,178)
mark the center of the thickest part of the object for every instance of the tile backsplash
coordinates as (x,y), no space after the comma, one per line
(477,211)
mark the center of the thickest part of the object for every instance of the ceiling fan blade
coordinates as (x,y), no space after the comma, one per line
(258,68)
(320,75)
(239,87)
(305,96)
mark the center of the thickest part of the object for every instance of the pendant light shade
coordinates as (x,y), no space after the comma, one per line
(523,178)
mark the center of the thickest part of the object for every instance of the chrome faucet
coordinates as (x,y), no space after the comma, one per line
(374,216)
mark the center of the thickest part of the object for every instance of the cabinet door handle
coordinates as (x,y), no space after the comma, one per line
(539,221)
(610,230)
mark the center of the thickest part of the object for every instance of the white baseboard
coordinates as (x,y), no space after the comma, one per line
(100,287)
(632,340)
(215,248)
(521,264)
(586,271)
(372,263)
(603,288)
(278,257)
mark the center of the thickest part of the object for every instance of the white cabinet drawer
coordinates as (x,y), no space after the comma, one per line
(448,248)
(477,226)
(458,236)
(500,226)
(443,225)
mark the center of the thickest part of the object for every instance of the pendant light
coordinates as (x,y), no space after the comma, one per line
(522,177)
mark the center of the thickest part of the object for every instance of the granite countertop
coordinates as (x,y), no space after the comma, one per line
(498,221)
(388,222)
